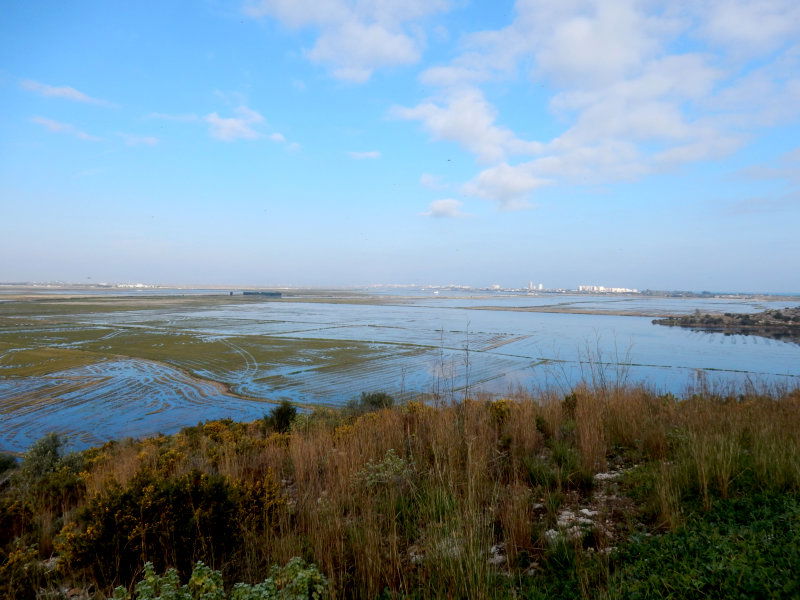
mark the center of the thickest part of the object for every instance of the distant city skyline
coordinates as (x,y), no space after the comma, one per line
(580,288)
(648,145)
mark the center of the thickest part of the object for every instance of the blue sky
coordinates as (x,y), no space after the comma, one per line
(337,142)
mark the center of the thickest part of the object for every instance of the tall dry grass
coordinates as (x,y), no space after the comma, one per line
(439,501)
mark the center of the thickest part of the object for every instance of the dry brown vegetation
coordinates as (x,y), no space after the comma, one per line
(458,500)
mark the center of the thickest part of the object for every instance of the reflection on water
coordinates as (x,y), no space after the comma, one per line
(111,400)
(779,334)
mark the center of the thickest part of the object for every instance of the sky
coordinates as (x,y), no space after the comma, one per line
(638,144)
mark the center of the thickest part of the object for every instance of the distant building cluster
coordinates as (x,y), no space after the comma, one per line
(602,288)
(535,286)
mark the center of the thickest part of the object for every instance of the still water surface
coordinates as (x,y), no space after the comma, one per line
(455,348)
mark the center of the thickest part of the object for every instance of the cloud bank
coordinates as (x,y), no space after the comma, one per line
(354,38)
(446,208)
(642,87)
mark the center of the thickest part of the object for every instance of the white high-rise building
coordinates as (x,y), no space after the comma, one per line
(604,289)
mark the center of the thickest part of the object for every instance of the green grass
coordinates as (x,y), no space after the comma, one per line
(746,547)
(37,325)
(42,361)
(55,325)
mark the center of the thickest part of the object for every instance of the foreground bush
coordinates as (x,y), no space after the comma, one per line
(295,581)
(172,521)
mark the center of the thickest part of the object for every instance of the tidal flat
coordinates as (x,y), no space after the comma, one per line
(95,366)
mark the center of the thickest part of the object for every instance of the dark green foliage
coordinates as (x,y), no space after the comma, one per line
(173,522)
(376,400)
(44,457)
(7,462)
(543,427)
(369,402)
(639,484)
(541,473)
(743,548)
(294,581)
(281,417)
(15,519)
(569,404)
(565,456)
(21,573)
(565,574)
(561,471)
(47,477)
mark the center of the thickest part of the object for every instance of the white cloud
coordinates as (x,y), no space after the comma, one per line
(65,92)
(355,49)
(355,36)
(764,96)
(785,167)
(277,137)
(747,26)
(444,208)
(432,182)
(591,42)
(637,86)
(452,76)
(241,127)
(371,154)
(59,127)
(507,185)
(631,101)
(465,117)
(645,107)
(139,140)
(713,145)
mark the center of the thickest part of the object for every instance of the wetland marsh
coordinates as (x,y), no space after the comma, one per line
(106,367)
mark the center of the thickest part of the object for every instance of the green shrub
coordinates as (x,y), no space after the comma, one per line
(743,548)
(375,401)
(47,476)
(295,581)
(281,417)
(7,463)
(392,470)
(562,471)
(173,521)
(541,473)
(543,427)
(21,572)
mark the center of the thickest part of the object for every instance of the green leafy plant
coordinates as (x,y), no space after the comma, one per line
(743,548)
(391,470)
(281,417)
(297,580)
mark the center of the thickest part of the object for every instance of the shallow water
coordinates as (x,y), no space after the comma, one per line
(112,400)
(422,344)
